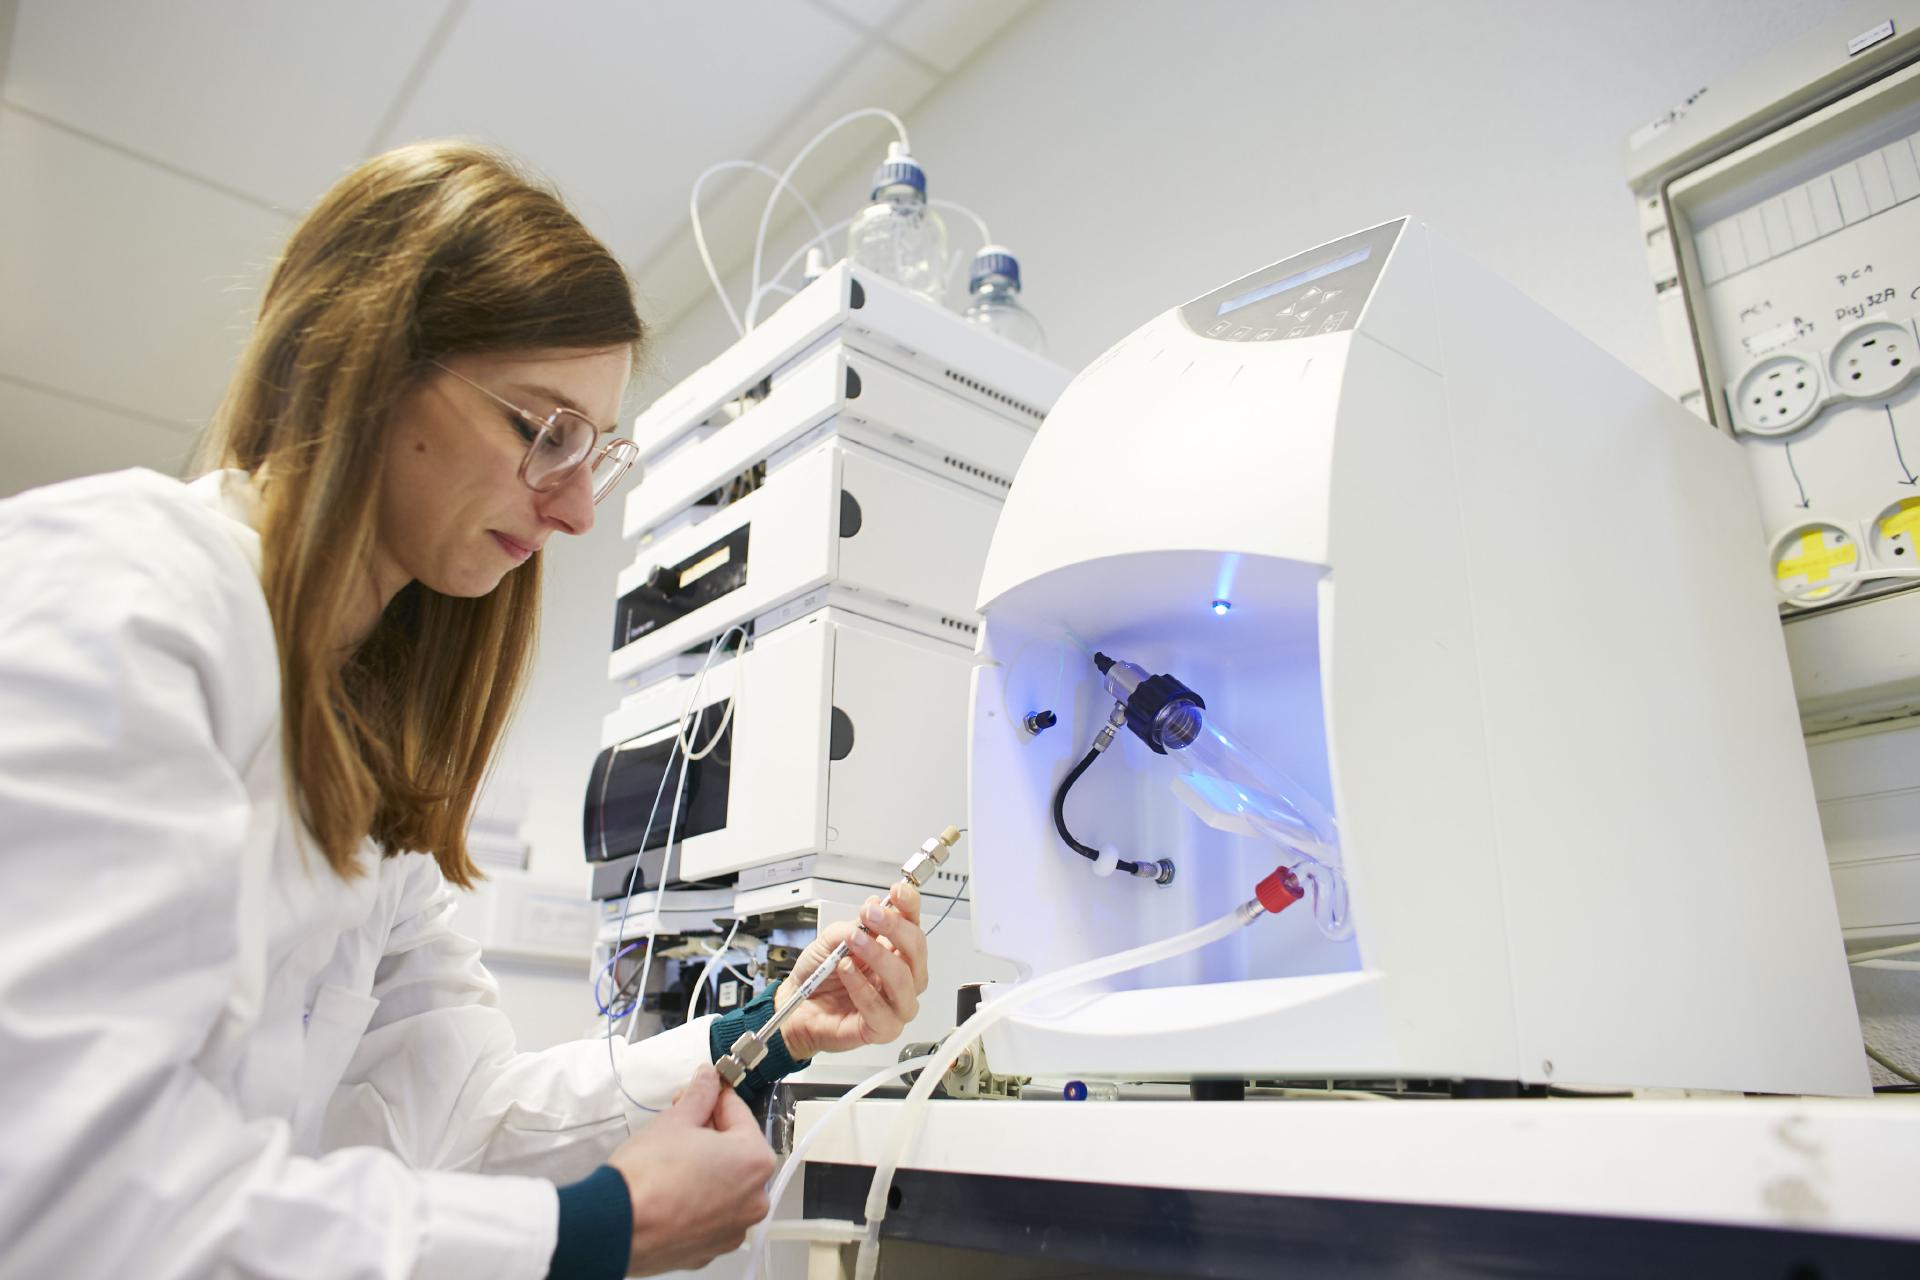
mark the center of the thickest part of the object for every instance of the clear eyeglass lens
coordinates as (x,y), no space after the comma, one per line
(564,445)
(609,466)
(570,441)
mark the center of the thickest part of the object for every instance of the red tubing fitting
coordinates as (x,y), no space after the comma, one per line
(1279,891)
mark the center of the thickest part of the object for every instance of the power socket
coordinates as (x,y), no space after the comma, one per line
(1896,534)
(1872,359)
(1780,394)
(1816,563)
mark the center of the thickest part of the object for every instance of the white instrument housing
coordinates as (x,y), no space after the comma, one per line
(1493,602)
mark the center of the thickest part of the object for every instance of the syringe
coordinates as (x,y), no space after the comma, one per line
(750,1048)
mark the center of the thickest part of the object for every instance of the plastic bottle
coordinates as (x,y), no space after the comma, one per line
(994,282)
(898,236)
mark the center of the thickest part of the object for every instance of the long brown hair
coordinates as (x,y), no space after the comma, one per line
(431,250)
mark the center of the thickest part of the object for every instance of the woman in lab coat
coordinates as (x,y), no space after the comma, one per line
(242,722)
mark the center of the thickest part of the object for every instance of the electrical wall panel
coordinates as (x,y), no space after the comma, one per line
(1781,214)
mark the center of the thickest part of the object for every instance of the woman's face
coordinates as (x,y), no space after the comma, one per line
(454,513)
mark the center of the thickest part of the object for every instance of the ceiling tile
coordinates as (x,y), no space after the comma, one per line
(623,123)
(271,99)
(872,14)
(946,34)
(50,437)
(125,283)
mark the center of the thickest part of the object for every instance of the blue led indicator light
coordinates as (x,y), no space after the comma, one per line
(1220,607)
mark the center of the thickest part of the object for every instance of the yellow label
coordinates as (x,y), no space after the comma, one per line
(1816,559)
(696,572)
(1905,519)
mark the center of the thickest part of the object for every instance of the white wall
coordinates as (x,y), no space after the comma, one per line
(1136,153)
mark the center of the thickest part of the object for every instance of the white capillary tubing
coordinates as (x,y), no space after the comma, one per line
(913,1114)
(700,236)
(818,1228)
(823,240)
(786,176)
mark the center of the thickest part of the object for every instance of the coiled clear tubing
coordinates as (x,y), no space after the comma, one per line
(1233,788)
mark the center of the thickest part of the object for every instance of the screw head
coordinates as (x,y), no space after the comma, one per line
(1546,1066)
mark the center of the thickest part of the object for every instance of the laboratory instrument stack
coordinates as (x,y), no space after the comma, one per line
(1781,215)
(819,500)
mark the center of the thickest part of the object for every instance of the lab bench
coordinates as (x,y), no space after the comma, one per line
(1792,1188)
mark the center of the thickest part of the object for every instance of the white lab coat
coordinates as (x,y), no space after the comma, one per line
(221,1059)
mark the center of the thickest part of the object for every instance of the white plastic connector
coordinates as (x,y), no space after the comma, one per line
(1108,860)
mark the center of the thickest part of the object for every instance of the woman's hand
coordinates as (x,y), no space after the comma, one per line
(696,1178)
(876,990)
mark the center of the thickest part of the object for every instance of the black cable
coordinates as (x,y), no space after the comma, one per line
(950,902)
(1060,816)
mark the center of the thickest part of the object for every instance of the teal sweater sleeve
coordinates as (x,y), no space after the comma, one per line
(751,1016)
(596,1228)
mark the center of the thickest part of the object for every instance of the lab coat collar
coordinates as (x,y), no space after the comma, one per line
(231,494)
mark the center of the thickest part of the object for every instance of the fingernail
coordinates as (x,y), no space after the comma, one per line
(873,914)
(861,941)
(846,966)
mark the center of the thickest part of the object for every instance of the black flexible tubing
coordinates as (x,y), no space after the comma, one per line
(1060,815)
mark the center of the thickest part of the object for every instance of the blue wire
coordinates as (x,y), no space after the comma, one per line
(606,969)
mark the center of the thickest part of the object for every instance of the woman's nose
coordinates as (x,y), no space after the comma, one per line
(569,507)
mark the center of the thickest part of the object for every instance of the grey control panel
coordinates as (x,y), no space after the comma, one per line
(1320,291)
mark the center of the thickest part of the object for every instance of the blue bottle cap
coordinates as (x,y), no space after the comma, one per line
(993,260)
(899,169)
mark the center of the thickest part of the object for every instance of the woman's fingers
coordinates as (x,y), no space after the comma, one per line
(901,929)
(887,968)
(881,1022)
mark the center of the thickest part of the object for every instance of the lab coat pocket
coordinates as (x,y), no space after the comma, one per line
(334,1027)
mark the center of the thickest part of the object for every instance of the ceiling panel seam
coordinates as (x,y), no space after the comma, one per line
(901,50)
(108,406)
(430,51)
(108,144)
(878,34)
